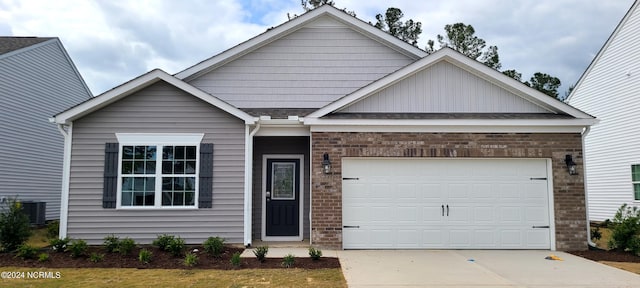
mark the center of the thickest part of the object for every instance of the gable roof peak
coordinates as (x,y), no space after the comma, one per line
(292,25)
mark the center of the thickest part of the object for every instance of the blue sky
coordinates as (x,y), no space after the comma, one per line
(113,41)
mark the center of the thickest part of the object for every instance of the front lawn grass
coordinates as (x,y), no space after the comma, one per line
(110,277)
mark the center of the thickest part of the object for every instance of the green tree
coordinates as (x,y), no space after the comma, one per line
(312,4)
(391,22)
(462,38)
(544,83)
(513,74)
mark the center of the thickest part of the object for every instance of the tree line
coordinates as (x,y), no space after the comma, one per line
(458,36)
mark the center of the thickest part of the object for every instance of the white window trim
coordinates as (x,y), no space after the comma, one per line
(158,140)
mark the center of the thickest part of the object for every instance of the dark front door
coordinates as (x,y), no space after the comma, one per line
(283,197)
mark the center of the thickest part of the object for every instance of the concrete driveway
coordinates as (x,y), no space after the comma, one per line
(477,268)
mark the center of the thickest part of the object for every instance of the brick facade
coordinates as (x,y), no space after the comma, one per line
(568,190)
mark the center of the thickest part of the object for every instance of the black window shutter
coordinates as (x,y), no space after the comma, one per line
(206,176)
(110,175)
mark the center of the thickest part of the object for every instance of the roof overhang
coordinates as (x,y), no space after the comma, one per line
(293,25)
(138,84)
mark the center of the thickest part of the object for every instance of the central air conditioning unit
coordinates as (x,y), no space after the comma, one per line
(35,211)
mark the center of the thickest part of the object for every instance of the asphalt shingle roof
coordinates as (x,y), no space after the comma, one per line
(10,43)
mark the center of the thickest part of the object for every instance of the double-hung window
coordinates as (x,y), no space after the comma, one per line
(158,171)
(635,181)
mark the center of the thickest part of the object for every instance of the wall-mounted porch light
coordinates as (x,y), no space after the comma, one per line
(571,166)
(326,164)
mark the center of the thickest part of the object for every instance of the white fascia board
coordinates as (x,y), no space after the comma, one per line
(458,59)
(293,25)
(451,125)
(140,83)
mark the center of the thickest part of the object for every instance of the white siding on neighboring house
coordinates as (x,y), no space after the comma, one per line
(36,82)
(160,108)
(444,88)
(308,68)
(610,90)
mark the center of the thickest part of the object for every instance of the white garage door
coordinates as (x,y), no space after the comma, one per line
(445,203)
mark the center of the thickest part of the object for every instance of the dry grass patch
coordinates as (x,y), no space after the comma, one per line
(631,267)
(98,277)
(38,238)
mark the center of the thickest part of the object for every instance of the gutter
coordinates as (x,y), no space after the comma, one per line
(248,182)
(585,132)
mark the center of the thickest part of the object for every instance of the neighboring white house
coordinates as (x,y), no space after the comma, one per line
(610,90)
(37,79)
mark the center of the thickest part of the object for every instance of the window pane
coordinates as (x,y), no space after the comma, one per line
(190,168)
(167,167)
(138,184)
(127,183)
(127,152)
(166,198)
(635,173)
(179,152)
(191,152)
(151,167)
(190,184)
(127,167)
(167,153)
(139,152)
(178,167)
(636,191)
(178,199)
(149,199)
(138,199)
(151,153)
(150,185)
(178,184)
(138,167)
(126,199)
(167,184)
(282,180)
(189,198)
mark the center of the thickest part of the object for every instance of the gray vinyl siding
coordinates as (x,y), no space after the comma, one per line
(278,145)
(308,68)
(160,108)
(444,88)
(610,90)
(36,82)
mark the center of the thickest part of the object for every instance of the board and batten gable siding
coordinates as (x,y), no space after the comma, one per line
(444,88)
(309,68)
(35,83)
(610,91)
(159,108)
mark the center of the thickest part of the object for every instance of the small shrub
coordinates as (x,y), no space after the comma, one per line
(59,245)
(261,252)
(176,246)
(145,256)
(53,228)
(288,261)
(314,253)
(26,251)
(190,260)
(96,257)
(625,234)
(126,246)
(214,246)
(235,260)
(163,241)
(606,223)
(111,243)
(43,257)
(77,248)
(596,234)
(14,226)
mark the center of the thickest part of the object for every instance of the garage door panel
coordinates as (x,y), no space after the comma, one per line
(398,203)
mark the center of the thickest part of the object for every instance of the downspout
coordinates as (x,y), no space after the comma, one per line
(66,165)
(585,132)
(248,176)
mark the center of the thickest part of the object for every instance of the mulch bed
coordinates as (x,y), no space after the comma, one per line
(160,260)
(607,255)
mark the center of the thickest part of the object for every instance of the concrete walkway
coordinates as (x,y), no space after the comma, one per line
(477,268)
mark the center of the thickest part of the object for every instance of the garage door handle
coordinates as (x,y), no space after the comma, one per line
(447,210)
(442,210)
(350,226)
(545,226)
